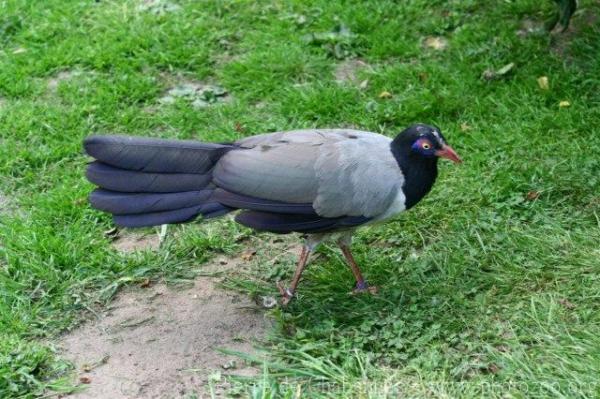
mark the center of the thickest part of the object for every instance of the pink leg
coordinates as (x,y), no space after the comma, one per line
(361,284)
(288,293)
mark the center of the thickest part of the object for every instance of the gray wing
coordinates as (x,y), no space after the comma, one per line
(276,166)
(339,172)
(273,166)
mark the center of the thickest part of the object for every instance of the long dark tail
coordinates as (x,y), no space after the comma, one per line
(149,182)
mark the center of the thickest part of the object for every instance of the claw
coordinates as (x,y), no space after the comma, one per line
(364,287)
(286,294)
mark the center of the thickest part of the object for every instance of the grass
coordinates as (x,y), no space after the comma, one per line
(488,287)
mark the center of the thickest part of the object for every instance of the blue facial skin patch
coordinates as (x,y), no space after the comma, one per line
(418,147)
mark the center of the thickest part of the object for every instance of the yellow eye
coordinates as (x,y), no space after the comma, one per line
(426,146)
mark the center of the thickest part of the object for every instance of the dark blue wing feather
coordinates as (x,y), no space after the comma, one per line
(287,223)
(259,204)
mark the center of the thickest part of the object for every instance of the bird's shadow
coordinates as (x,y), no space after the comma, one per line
(417,305)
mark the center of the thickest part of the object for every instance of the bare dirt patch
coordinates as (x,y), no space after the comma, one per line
(9,207)
(198,94)
(4,204)
(348,71)
(62,76)
(5,209)
(158,7)
(129,242)
(161,342)
(223,58)
(530,27)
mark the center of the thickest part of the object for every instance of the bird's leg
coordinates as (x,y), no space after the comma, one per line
(288,293)
(361,283)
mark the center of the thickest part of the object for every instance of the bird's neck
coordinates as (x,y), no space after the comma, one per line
(419,173)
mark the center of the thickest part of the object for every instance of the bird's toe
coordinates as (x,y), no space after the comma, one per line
(364,287)
(286,294)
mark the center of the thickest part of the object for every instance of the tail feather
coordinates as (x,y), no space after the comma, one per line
(155,155)
(168,217)
(129,181)
(149,182)
(133,203)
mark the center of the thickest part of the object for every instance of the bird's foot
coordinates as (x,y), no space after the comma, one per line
(286,294)
(364,287)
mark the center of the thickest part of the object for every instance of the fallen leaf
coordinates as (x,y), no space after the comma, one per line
(363,85)
(248,255)
(301,20)
(465,127)
(503,348)
(564,104)
(229,365)
(532,195)
(423,76)
(80,201)
(543,83)
(490,74)
(132,323)
(505,69)
(385,94)
(89,367)
(436,42)
(145,283)
(566,303)
(239,128)
(268,302)
(493,368)
(112,233)
(85,380)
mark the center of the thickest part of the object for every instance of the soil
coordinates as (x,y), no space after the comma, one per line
(161,342)
(347,71)
(198,94)
(131,242)
(4,204)
(61,77)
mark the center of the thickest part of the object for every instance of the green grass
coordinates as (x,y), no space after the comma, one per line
(484,289)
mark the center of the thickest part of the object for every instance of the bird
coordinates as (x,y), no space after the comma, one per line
(321,183)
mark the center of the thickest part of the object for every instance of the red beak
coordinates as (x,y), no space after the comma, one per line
(448,153)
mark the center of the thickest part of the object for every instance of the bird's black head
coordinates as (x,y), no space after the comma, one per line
(417,150)
(426,141)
